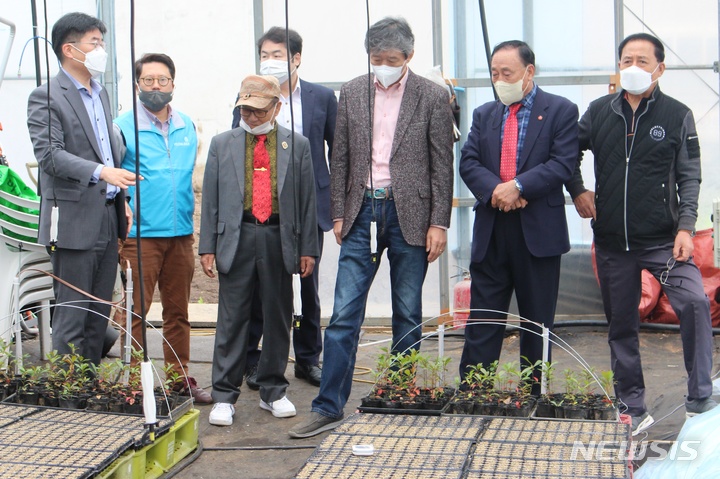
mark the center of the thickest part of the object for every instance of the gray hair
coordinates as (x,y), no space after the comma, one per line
(390,34)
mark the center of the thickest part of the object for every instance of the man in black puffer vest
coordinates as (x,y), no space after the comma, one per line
(644,208)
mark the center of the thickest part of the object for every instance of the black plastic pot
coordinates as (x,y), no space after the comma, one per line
(72,402)
(575,412)
(523,410)
(48,399)
(116,405)
(29,397)
(463,407)
(98,404)
(604,413)
(545,409)
(433,404)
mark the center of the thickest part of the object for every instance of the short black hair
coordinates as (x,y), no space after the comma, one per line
(71,27)
(154,58)
(527,56)
(278,35)
(659,48)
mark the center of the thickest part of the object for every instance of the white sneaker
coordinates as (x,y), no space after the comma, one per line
(222,414)
(280,408)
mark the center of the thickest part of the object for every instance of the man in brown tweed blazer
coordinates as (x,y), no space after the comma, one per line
(391,188)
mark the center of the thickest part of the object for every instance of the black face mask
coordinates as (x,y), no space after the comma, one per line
(155,100)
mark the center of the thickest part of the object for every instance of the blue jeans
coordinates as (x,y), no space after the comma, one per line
(356,271)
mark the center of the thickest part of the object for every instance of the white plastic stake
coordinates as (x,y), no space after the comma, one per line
(148,384)
(297,299)
(54,218)
(373,238)
(441,348)
(545,356)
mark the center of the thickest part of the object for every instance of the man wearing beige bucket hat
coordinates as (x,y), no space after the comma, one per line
(258,225)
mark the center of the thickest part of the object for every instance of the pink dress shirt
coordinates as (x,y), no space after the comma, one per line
(385,116)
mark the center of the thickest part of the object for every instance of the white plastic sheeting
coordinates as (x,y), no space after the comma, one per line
(695,454)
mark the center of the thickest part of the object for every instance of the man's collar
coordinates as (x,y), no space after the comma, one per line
(96,87)
(529,99)
(296,91)
(153,117)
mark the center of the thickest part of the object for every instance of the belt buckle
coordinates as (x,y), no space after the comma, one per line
(379,193)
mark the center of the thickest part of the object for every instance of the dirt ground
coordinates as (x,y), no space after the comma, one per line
(204,289)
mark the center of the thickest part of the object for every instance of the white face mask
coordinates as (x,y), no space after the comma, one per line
(276,68)
(387,75)
(510,93)
(263,129)
(635,80)
(95,61)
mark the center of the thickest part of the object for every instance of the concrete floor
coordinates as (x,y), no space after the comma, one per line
(257,444)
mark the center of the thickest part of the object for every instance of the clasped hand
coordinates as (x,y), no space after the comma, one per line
(506,197)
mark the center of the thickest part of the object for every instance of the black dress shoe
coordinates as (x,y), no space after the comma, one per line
(309,372)
(251,377)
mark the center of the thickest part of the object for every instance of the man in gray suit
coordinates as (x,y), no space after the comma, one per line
(392,172)
(259,225)
(83,210)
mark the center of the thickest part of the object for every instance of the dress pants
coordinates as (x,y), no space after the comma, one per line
(77,319)
(258,264)
(307,339)
(620,275)
(508,265)
(168,263)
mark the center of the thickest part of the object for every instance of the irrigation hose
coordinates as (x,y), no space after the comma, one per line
(260,448)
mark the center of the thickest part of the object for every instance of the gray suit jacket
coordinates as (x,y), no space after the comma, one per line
(224,191)
(421,161)
(76,154)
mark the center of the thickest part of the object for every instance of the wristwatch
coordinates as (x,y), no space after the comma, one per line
(692,232)
(518,185)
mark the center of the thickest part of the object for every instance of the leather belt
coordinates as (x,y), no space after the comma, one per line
(249,218)
(379,193)
(110,201)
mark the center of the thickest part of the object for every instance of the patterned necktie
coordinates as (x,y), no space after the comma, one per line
(262,197)
(508,156)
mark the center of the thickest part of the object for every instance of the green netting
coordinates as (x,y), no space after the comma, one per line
(11,183)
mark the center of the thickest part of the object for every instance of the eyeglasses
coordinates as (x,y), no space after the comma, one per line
(150,81)
(97,43)
(259,114)
(664,275)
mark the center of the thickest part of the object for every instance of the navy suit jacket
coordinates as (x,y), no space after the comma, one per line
(547,160)
(319,110)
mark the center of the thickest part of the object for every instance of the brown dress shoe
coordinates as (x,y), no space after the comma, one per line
(200,396)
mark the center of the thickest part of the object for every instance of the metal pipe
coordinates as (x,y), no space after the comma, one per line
(619,27)
(17,328)
(486,39)
(6,54)
(259,29)
(36,44)
(127,354)
(437,32)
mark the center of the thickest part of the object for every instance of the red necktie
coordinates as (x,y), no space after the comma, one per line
(508,156)
(262,197)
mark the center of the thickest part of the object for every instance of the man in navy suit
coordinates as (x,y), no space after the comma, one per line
(519,152)
(314,112)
